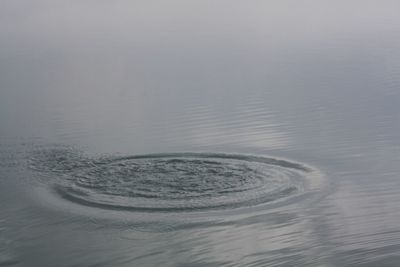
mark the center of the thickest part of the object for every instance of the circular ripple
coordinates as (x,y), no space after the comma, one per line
(184,182)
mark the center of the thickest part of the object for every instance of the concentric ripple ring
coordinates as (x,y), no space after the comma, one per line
(179,181)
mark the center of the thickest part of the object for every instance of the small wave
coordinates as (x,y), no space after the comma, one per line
(173,182)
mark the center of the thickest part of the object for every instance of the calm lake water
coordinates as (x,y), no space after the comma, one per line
(199,133)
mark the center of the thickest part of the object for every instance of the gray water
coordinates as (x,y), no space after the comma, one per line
(199,133)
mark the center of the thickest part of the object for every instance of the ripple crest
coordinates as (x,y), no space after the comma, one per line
(175,182)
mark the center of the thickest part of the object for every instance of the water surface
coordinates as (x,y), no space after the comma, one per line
(199,133)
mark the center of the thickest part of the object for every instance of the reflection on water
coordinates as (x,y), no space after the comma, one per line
(312,84)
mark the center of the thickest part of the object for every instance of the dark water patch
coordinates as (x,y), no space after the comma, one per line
(174,182)
(61,160)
